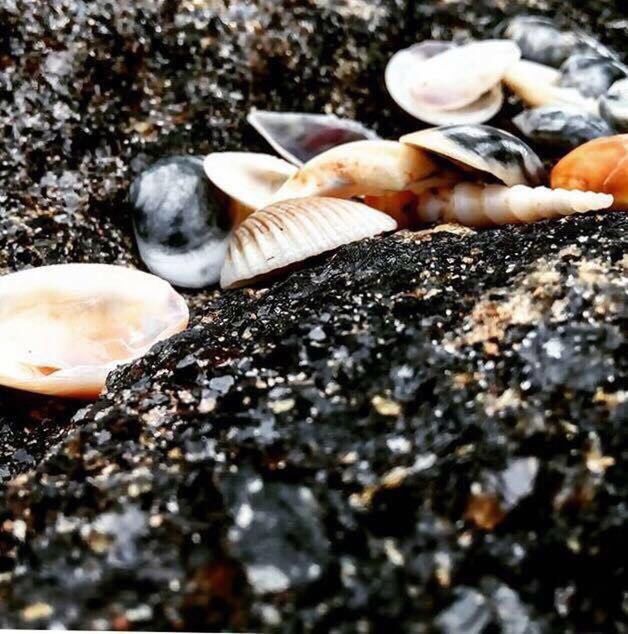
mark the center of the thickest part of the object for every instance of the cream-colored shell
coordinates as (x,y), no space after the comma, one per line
(359,169)
(480,205)
(292,231)
(248,179)
(63,328)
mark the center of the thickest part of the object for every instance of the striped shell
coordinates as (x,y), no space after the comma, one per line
(63,328)
(292,231)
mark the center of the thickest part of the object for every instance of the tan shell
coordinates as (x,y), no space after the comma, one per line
(63,328)
(359,169)
(537,85)
(248,180)
(292,231)
(480,205)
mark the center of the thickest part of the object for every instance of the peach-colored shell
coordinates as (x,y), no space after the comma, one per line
(600,165)
(63,328)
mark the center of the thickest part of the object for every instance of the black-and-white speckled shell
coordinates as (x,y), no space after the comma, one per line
(614,105)
(483,148)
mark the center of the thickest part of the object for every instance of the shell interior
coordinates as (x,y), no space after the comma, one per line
(248,179)
(299,137)
(64,327)
(294,230)
(406,64)
(483,148)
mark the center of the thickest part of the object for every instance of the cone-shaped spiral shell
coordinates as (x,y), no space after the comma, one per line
(600,165)
(63,328)
(483,148)
(480,205)
(299,136)
(358,169)
(247,180)
(402,71)
(292,231)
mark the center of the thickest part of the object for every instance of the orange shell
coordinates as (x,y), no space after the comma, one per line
(600,165)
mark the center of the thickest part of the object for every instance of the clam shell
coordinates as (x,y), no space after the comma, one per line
(292,231)
(63,328)
(299,137)
(247,180)
(590,74)
(561,127)
(600,166)
(538,85)
(614,105)
(404,66)
(483,148)
(359,169)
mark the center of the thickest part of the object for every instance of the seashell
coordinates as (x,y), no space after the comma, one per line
(358,169)
(561,127)
(538,85)
(299,137)
(245,181)
(291,231)
(482,205)
(65,327)
(406,65)
(483,148)
(180,227)
(614,105)
(600,165)
(539,39)
(591,75)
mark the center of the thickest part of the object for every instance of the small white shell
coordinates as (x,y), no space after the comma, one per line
(63,328)
(299,137)
(404,66)
(292,231)
(248,179)
(537,85)
(359,169)
(479,205)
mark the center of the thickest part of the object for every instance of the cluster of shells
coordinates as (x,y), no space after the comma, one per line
(239,217)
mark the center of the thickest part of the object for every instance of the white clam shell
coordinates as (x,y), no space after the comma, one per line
(358,169)
(63,328)
(480,91)
(299,136)
(292,231)
(537,85)
(248,179)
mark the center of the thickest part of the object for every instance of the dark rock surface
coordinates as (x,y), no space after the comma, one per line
(422,432)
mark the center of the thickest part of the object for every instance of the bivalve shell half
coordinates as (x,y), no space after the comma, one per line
(359,169)
(247,180)
(614,106)
(483,148)
(299,137)
(63,328)
(291,231)
(406,65)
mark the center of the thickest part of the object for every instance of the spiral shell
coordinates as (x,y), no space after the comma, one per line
(292,231)
(480,205)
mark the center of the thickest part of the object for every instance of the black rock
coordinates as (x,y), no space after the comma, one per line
(181,230)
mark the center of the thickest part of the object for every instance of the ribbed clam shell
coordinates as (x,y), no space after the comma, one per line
(292,231)
(63,328)
(483,148)
(479,205)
